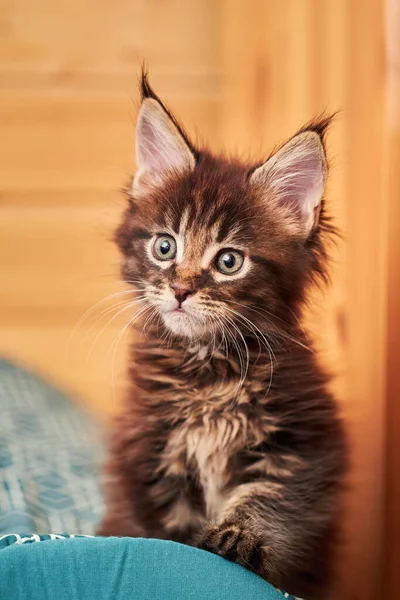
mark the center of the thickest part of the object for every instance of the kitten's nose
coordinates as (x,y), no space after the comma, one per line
(181,292)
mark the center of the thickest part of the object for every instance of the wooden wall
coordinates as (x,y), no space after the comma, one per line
(300,59)
(68,77)
(390,577)
(245,74)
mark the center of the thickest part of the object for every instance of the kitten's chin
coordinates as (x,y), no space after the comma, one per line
(182,324)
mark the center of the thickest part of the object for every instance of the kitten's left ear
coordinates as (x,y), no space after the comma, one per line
(161,145)
(294,178)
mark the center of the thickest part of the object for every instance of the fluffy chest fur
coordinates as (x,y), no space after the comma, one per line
(214,434)
(205,447)
(212,422)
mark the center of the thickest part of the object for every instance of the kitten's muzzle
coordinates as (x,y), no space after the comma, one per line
(181,292)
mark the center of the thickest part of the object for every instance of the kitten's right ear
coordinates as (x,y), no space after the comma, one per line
(161,145)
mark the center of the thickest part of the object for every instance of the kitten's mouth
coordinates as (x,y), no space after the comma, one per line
(181,322)
(179,313)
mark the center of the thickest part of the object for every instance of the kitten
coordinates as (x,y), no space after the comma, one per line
(229,439)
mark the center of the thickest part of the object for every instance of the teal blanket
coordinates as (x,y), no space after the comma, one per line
(121,569)
(49,456)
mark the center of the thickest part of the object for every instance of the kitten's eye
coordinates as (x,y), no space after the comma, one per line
(229,262)
(164,247)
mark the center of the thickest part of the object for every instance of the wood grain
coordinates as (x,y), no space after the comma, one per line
(68,101)
(390,576)
(303,59)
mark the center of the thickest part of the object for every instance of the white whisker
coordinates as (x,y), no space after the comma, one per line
(116,342)
(129,305)
(252,327)
(110,309)
(86,314)
(243,369)
(277,332)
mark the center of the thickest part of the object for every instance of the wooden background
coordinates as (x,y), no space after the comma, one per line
(242,75)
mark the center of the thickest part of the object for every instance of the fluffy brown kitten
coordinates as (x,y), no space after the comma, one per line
(229,439)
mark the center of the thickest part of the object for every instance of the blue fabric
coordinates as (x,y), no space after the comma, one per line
(122,569)
(49,452)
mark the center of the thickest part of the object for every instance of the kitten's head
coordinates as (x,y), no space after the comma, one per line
(216,243)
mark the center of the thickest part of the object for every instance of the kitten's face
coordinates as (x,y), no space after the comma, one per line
(195,270)
(216,245)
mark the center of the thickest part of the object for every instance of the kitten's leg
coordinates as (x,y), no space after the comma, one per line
(139,494)
(163,506)
(179,521)
(240,534)
(260,530)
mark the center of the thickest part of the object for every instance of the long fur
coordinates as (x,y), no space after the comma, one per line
(243,462)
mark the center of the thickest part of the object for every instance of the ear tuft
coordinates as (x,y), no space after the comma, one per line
(148,92)
(162,146)
(145,87)
(319,125)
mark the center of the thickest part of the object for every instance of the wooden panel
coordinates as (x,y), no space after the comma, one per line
(107,37)
(83,142)
(283,64)
(94,377)
(390,574)
(68,81)
(56,257)
(64,143)
(366,292)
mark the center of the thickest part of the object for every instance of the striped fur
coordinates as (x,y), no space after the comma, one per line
(229,439)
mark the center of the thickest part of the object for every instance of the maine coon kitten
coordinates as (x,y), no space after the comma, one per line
(229,439)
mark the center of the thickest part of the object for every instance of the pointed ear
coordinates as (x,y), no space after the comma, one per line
(161,146)
(295,178)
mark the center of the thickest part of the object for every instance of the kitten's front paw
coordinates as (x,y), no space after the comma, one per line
(236,543)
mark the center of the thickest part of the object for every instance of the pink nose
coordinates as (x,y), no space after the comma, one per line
(181,292)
